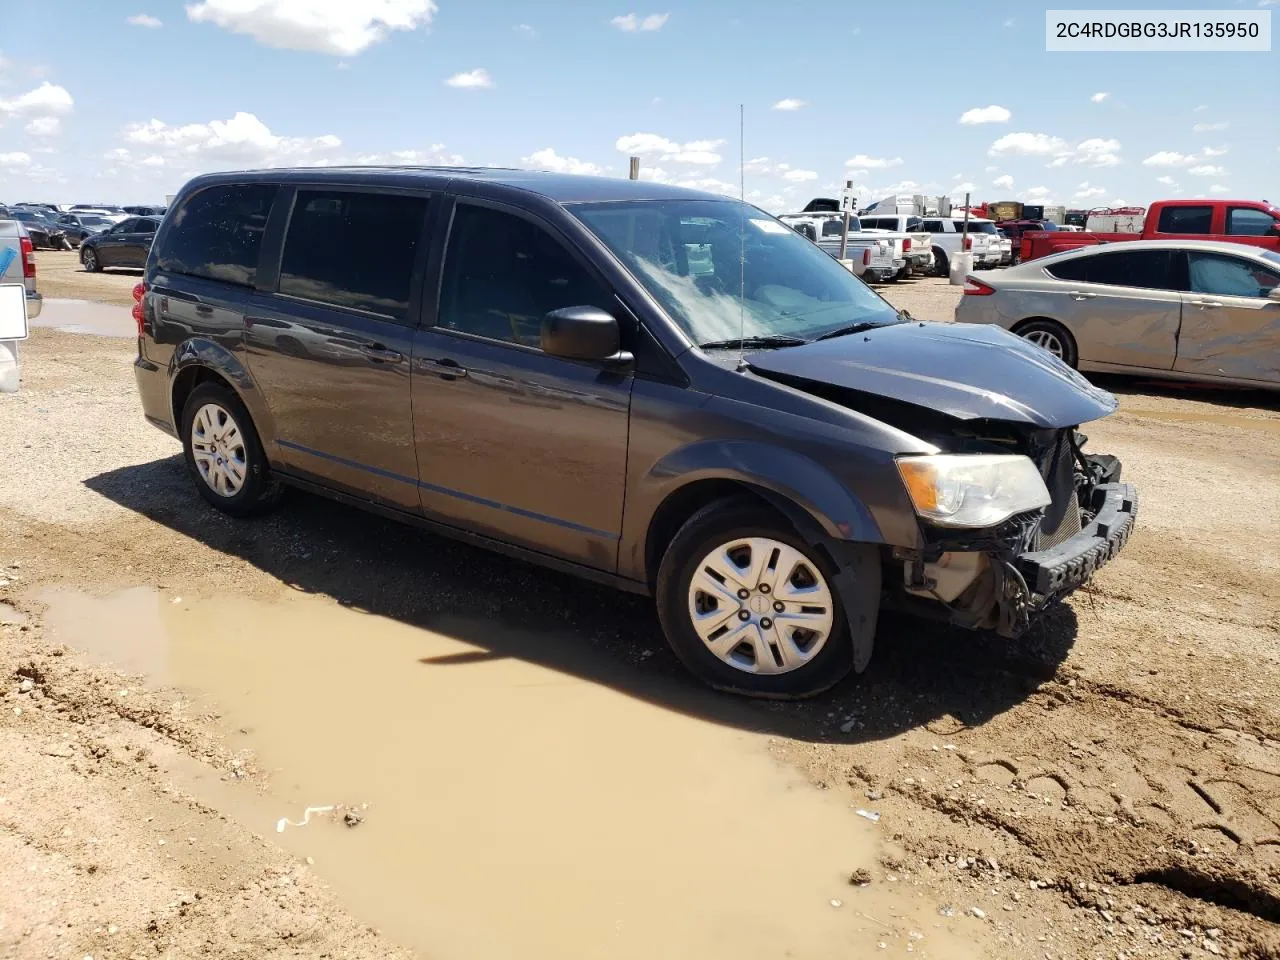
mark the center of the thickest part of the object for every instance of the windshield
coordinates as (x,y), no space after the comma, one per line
(95,222)
(694,256)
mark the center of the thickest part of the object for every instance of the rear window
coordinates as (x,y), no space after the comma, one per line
(353,250)
(1188,219)
(217,233)
(1148,269)
(976,226)
(833,228)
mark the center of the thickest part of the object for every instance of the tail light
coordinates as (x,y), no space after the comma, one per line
(28,258)
(866,256)
(968,243)
(906,245)
(976,288)
(139,291)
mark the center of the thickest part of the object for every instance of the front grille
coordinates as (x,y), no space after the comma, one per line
(1061,519)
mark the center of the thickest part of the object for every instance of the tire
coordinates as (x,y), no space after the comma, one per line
(941,265)
(1053,337)
(228,466)
(822,656)
(89,258)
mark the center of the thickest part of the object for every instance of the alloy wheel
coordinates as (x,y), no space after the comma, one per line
(761,606)
(1047,340)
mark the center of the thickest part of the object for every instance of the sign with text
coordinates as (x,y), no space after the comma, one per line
(13,311)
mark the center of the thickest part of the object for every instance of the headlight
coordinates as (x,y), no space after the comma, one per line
(972,490)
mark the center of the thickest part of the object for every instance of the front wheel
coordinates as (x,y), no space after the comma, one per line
(748,606)
(90,260)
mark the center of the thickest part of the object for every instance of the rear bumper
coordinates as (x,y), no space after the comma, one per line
(1051,573)
(153,391)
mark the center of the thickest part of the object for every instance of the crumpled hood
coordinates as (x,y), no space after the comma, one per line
(968,371)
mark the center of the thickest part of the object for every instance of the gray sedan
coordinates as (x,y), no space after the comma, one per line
(1186,309)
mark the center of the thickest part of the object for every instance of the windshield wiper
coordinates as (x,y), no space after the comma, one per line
(748,343)
(863,325)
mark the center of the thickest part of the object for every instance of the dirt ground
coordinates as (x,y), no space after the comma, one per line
(60,276)
(1108,787)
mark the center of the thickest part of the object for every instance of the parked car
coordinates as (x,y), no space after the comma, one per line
(1252,222)
(920,256)
(44,234)
(79,226)
(744,431)
(1005,245)
(17,265)
(1189,309)
(145,211)
(125,244)
(874,257)
(948,238)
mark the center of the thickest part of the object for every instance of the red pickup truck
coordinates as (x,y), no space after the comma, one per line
(1253,222)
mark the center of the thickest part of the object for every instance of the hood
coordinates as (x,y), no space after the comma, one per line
(967,371)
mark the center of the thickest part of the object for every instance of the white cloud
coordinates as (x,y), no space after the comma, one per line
(477,79)
(991,114)
(863,162)
(1167,181)
(788,103)
(1005,182)
(548,159)
(1201,109)
(800,176)
(242,140)
(15,161)
(759,165)
(631,23)
(1219,188)
(1207,170)
(1216,151)
(1039,193)
(1027,145)
(1086,192)
(1097,152)
(695,152)
(341,28)
(710,185)
(1099,97)
(961,188)
(1209,127)
(1169,158)
(155,160)
(434,156)
(44,127)
(142,20)
(526,30)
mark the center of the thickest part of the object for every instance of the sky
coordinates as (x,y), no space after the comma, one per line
(122,102)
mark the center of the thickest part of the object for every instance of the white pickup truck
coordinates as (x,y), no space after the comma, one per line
(17,266)
(828,226)
(871,257)
(920,256)
(948,238)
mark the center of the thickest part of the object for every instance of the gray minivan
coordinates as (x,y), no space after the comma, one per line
(665,390)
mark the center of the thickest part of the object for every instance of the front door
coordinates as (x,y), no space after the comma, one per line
(112,242)
(513,443)
(331,352)
(1230,324)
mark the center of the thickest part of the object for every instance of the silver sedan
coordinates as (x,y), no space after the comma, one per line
(1186,309)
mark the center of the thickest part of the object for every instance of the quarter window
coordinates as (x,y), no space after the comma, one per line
(353,250)
(1225,276)
(503,274)
(217,233)
(1077,269)
(1187,220)
(1249,222)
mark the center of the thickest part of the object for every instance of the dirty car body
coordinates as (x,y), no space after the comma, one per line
(667,391)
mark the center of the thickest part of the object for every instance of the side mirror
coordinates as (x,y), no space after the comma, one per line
(582,333)
(1275,228)
(1274,294)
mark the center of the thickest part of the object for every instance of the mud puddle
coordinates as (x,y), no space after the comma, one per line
(508,809)
(1270,424)
(86,316)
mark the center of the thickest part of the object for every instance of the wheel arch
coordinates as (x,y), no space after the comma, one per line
(200,360)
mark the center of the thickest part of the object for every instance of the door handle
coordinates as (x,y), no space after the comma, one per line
(448,369)
(1080,295)
(204,310)
(380,354)
(1205,303)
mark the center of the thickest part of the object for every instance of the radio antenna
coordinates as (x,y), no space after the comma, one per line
(742,239)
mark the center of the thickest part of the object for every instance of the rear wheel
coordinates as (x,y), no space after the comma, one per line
(224,454)
(749,606)
(1052,336)
(90,260)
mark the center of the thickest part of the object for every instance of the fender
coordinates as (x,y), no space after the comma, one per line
(205,352)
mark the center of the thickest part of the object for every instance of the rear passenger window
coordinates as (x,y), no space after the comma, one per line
(934,226)
(503,274)
(1149,269)
(217,233)
(353,250)
(1193,220)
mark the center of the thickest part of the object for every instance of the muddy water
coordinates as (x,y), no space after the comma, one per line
(513,810)
(86,316)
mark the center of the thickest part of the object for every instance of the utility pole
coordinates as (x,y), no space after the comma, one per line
(846,202)
(635,168)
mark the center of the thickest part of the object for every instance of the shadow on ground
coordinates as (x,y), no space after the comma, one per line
(921,672)
(1219,395)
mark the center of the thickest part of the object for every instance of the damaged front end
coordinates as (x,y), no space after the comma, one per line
(1001,578)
